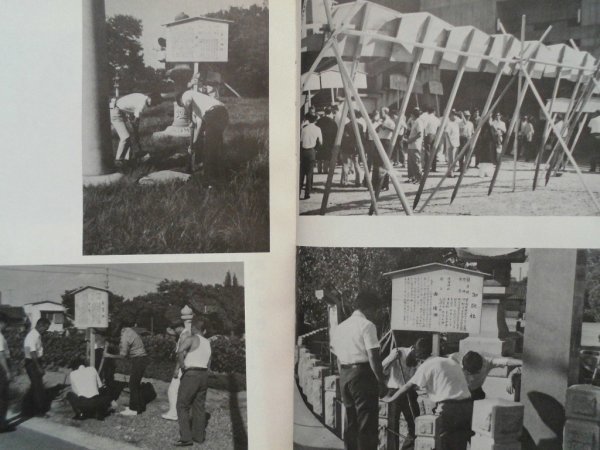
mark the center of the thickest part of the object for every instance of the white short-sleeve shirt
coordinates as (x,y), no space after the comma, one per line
(399,372)
(311,134)
(418,126)
(85,382)
(594,125)
(442,378)
(33,343)
(198,102)
(133,104)
(353,337)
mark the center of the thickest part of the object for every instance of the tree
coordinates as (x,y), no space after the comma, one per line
(235,281)
(592,289)
(227,282)
(125,52)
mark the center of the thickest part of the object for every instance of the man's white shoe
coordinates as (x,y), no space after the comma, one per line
(168,416)
(128,412)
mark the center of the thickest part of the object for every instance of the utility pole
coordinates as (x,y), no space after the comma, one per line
(107,279)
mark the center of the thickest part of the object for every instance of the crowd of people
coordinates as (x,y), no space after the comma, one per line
(209,118)
(452,382)
(414,147)
(93,391)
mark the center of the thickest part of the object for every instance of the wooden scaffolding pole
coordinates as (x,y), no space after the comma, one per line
(560,138)
(462,65)
(470,143)
(335,151)
(518,112)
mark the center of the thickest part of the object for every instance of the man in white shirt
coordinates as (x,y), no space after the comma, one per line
(466,130)
(311,139)
(476,369)
(193,359)
(354,342)
(209,120)
(5,377)
(446,385)
(171,414)
(452,133)
(594,126)
(498,129)
(432,124)
(85,397)
(400,366)
(34,351)
(415,146)
(128,110)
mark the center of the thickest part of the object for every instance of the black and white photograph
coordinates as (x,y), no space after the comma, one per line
(447,348)
(123,356)
(175,126)
(477,107)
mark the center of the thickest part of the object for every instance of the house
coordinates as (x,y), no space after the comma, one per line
(54,312)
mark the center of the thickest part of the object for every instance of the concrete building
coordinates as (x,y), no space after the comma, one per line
(54,312)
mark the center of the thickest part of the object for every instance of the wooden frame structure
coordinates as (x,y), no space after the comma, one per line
(363,32)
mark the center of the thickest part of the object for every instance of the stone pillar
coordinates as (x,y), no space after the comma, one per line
(492,340)
(552,339)
(96,135)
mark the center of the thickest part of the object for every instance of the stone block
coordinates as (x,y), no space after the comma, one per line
(329,407)
(427,425)
(316,393)
(383,409)
(382,433)
(490,346)
(479,442)
(498,419)
(425,443)
(583,402)
(581,435)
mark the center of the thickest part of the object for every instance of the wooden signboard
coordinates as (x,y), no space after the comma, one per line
(197,40)
(91,308)
(437,298)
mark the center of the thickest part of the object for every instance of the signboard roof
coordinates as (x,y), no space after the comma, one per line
(430,268)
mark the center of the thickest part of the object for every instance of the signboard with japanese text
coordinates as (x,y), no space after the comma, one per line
(197,40)
(91,308)
(440,300)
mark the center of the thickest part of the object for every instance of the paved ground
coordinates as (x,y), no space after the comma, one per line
(563,195)
(309,433)
(25,439)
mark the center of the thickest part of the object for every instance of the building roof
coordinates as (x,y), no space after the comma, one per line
(430,268)
(75,291)
(194,19)
(43,302)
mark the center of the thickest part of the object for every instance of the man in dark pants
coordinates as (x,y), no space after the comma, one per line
(311,140)
(356,347)
(328,131)
(5,378)
(34,351)
(445,383)
(401,365)
(193,358)
(87,398)
(131,347)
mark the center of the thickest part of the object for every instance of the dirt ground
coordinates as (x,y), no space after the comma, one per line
(563,196)
(227,427)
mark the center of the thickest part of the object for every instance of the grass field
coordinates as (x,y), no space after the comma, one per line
(185,217)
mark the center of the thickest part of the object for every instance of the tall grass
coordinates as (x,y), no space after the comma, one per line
(185,217)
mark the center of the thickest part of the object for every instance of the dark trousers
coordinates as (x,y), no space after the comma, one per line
(428,145)
(37,387)
(307,163)
(3,397)
(136,400)
(107,374)
(361,400)
(89,407)
(477,394)
(210,142)
(380,176)
(595,159)
(455,424)
(192,395)
(410,409)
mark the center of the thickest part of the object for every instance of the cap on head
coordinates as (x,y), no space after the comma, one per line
(467,113)
(416,111)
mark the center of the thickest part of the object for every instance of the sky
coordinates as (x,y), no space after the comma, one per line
(155,13)
(27,284)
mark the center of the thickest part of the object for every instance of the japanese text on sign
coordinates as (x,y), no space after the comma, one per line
(91,309)
(197,41)
(441,301)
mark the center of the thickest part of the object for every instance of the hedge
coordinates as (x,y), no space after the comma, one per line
(228,354)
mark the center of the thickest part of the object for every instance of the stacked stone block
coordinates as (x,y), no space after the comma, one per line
(497,424)
(582,410)
(427,432)
(315,390)
(331,415)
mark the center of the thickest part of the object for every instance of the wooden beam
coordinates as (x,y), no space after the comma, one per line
(462,65)
(516,139)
